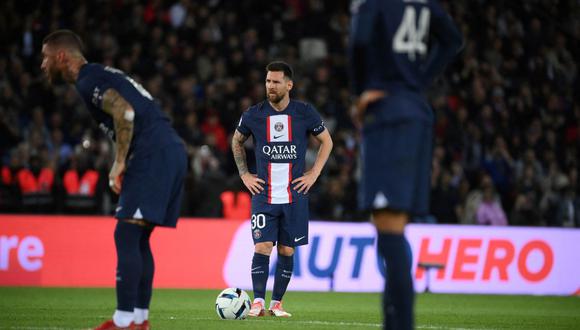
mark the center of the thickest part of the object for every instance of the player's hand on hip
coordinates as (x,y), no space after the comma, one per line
(305,182)
(115,176)
(360,105)
(253,183)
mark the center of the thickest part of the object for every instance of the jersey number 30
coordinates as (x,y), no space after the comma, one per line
(258,221)
(410,36)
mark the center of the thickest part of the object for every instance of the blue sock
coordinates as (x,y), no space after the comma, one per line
(284,269)
(146,282)
(398,297)
(260,272)
(129,264)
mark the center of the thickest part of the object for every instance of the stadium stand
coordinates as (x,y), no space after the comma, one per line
(508,110)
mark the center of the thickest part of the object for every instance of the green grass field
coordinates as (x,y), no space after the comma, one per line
(56,309)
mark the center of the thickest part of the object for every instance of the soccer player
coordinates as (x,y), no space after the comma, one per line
(391,65)
(280,128)
(148,171)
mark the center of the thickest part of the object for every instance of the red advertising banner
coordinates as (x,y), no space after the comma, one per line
(80,251)
(217,253)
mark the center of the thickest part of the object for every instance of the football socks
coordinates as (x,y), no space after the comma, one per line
(141,315)
(260,271)
(398,296)
(122,319)
(284,269)
(146,283)
(129,264)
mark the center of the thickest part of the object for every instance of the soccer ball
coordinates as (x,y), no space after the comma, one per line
(232,304)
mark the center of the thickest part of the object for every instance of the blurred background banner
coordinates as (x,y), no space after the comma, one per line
(80,252)
(473,259)
(215,253)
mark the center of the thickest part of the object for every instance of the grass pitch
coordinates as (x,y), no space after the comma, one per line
(63,308)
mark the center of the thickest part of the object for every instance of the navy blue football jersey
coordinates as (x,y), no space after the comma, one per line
(152,128)
(399,44)
(281,140)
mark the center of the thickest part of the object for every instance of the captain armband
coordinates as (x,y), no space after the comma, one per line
(129,115)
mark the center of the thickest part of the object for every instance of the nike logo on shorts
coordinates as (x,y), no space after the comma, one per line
(298,239)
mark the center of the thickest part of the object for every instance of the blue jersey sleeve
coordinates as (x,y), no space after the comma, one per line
(315,125)
(364,16)
(92,87)
(446,44)
(244,124)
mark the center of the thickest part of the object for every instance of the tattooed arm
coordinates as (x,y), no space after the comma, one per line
(123,114)
(240,152)
(251,181)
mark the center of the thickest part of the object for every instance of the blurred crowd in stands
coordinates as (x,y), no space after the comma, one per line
(507,111)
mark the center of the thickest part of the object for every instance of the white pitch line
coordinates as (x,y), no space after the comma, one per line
(328,323)
(437,327)
(36,328)
(346,324)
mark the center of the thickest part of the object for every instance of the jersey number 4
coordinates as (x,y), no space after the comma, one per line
(410,36)
(135,84)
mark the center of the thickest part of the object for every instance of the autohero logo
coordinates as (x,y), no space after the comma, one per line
(343,257)
(281,152)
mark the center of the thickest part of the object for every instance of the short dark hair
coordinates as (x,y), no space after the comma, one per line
(278,66)
(66,38)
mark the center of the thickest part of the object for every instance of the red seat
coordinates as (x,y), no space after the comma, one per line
(30,184)
(85,185)
(236,205)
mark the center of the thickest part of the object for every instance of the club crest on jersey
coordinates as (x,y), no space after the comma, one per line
(278,127)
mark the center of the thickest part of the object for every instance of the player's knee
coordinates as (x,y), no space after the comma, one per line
(390,221)
(285,250)
(127,232)
(138,222)
(264,248)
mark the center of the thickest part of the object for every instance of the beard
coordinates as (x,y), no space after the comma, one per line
(275,98)
(55,77)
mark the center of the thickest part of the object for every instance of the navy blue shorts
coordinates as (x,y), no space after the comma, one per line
(152,187)
(286,224)
(396,160)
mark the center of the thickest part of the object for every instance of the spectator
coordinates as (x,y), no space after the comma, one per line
(445,200)
(490,211)
(507,104)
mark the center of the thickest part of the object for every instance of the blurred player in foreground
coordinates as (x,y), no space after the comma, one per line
(391,65)
(148,171)
(281,128)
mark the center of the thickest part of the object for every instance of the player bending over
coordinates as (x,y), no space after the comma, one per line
(150,164)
